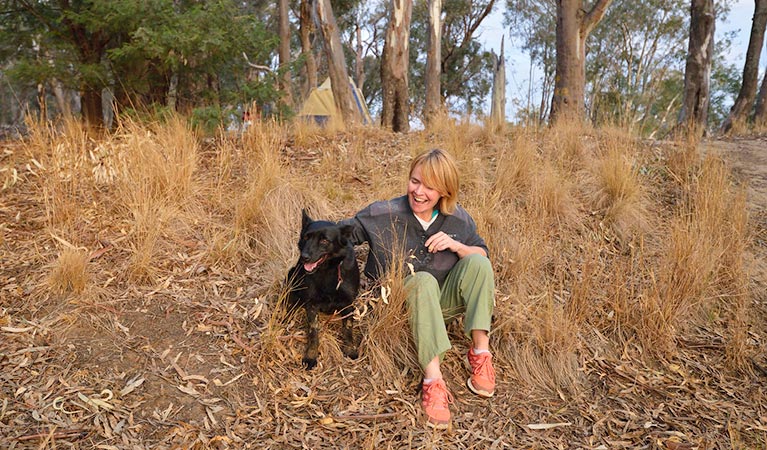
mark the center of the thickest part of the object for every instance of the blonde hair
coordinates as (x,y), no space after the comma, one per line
(439,172)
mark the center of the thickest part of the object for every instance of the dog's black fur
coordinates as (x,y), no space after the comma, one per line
(325,279)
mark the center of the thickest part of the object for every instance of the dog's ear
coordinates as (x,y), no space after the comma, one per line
(305,219)
(347,232)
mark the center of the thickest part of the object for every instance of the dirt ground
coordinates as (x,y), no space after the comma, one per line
(748,159)
(177,366)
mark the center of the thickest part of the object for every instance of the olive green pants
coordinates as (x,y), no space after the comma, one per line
(469,288)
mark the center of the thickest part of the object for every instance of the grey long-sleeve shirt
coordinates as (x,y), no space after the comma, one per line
(390,227)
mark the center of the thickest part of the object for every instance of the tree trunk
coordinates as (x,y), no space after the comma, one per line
(745,101)
(306,29)
(172,91)
(284,51)
(760,114)
(42,102)
(339,76)
(359,61)
(574,24)
(92,110)
(395,111)
(62,98)
(433,103)
(498,108)
(694,111)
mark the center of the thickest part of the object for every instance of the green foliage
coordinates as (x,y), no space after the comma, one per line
(137,48)
(634,62)
(725,83)
(207,119)
(628,69)
(466,67)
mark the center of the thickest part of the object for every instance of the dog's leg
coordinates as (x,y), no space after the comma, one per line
(313,338)
(347,336)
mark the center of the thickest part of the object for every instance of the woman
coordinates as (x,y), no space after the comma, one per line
(451,273)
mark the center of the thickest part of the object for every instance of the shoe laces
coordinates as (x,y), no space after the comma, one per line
(436,394)
(482,365)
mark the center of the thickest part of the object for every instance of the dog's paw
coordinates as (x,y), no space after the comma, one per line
(309,363)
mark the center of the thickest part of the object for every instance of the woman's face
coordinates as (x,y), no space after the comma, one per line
(422,198)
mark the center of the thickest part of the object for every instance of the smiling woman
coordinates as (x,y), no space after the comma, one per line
(450,274)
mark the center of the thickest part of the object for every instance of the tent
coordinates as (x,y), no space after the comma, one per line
(320,106)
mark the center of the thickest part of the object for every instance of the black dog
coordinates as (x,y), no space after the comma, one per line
(325,279)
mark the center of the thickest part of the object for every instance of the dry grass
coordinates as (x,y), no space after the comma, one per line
(619,270)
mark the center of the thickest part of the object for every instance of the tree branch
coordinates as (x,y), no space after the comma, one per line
(592,17)
(255,66)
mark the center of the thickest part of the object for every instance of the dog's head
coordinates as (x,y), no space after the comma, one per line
(321,241)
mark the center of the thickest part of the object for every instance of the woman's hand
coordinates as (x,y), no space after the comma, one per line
(442,241)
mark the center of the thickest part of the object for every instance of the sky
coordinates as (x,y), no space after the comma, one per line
(518,62)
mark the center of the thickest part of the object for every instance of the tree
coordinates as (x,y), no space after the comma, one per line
(534,22)
(305,31)
(745,100)
(574,23)
(180,54)
(498,104)
(339,77)
(760,113)
(634,56)
(284,32)
(433,99)
(695,101)
(63,37)
(395,111)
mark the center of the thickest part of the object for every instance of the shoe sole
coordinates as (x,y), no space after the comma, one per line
(435,425)
(480,392)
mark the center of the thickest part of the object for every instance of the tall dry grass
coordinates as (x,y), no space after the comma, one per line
(586,259)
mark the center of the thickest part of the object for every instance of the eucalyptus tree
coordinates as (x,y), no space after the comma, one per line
(631,57)
(533,24)
(286,82)
(432,99)
(337,69)
(466,67)
(575,21)
(693,115)
(395,111)
(760,110)
(747,94)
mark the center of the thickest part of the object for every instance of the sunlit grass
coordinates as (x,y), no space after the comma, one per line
(583,254)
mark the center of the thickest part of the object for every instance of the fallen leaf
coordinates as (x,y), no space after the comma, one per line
(547,426)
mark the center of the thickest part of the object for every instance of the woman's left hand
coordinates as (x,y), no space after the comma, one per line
(441,241)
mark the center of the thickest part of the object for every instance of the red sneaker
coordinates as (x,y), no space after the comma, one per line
(435,400)
(482,379)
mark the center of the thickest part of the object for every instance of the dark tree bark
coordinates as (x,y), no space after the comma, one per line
(284,51)
(574,24)
(695,100)
(339,76)
(433,103)
(306,30)
(760,113)
(745,101)
(91,46)
(395,111)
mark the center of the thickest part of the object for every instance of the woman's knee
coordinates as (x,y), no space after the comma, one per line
(480,263)
(422,280)
(421,284)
